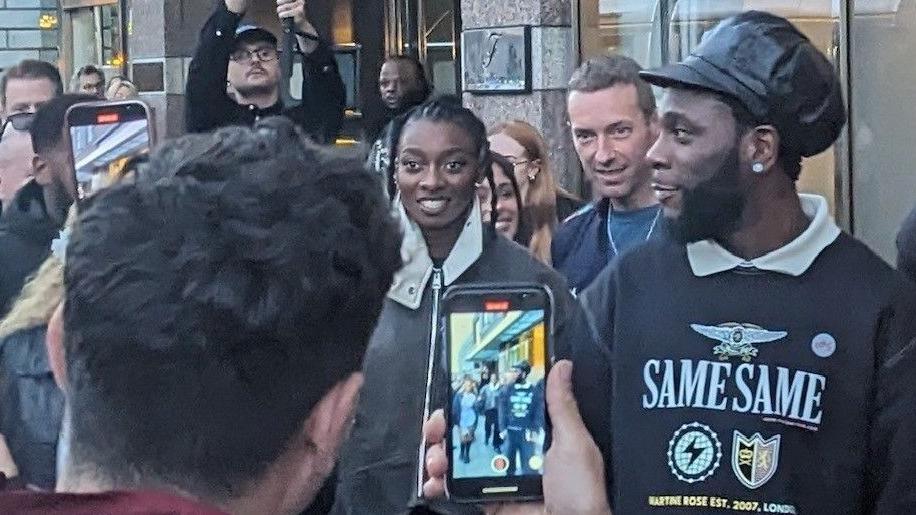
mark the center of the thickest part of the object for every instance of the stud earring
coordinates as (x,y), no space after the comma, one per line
(531,177)
(757,168)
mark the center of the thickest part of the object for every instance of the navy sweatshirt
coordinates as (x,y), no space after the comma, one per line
(581,247)
(755,390)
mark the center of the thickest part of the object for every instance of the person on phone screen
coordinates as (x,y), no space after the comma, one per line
(490,394)
(246,58)
(464,414)
(440,155)
(521,415)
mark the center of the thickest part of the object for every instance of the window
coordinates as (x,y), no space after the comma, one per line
(430,30)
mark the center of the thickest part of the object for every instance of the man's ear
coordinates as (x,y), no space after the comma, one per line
(762,144)
(323,432)
(41,171)
(54,342)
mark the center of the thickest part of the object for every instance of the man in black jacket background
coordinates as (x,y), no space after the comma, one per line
(245,59)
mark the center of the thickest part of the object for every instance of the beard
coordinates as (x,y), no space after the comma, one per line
(248,90)
(713,208)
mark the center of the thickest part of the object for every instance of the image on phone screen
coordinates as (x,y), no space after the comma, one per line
(103,139)
(497,377)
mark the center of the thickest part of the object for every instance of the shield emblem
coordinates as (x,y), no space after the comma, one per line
(755,459)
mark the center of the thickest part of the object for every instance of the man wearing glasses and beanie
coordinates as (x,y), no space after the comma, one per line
(246,58)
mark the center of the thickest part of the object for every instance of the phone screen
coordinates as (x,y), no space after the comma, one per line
(498,355)
(103,138)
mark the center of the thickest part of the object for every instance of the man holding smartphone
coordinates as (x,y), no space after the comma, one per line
(39,210)
(246,59)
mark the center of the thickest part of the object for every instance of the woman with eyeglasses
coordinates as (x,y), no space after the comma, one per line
(546,203)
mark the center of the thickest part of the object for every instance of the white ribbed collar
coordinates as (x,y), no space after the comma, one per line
(708,257)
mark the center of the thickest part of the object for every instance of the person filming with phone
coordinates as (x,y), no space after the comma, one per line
(246,58)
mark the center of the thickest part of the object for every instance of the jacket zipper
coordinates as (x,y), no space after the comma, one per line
(433,335)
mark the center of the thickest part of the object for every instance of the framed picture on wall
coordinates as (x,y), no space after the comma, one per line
(497,60)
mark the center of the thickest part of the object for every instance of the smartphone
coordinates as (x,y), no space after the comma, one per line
(498,353)
(104,136)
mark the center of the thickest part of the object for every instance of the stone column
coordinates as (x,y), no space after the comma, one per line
(161,40)
(553,58)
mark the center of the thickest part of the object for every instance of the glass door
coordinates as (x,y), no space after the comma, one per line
(96,35)
(430,31)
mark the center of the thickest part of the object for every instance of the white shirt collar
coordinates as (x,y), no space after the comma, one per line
(410,281)
(708,257)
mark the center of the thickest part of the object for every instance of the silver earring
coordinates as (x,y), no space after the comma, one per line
(757,168)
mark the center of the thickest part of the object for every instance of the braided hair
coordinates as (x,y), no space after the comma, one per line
(444,109)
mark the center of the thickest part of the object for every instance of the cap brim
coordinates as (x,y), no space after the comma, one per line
(696,73)
(679,74)
(254,35)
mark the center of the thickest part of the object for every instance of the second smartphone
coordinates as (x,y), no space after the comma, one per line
(498,354)
(104,137)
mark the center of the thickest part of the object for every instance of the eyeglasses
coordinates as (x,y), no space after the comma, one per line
(515,160)
(19,122)
(264,55)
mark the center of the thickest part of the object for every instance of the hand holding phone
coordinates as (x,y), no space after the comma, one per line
(498,348)
(573,467)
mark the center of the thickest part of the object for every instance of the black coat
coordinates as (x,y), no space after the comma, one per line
(26,232)
(31,406)
(208,107)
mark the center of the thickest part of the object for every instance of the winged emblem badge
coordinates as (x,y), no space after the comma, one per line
(737,340)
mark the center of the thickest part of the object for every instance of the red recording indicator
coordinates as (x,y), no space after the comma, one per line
(107,118)
(496,305)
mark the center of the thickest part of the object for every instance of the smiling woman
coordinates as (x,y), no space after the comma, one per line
(440,152)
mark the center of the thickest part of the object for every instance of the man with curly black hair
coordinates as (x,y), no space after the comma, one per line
(215,319)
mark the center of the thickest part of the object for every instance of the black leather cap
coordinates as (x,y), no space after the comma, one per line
(773,70)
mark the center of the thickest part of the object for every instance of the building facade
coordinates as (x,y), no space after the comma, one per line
(28,30)
(520,54)
(867,176)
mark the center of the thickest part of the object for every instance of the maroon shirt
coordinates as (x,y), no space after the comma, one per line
(122,503)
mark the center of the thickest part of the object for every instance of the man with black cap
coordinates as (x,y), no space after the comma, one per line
(760,361)
(521,418)
(246,58)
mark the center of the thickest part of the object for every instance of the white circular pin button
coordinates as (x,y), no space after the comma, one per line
(823,345)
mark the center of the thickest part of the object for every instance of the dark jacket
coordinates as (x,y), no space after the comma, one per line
(792,374)
(208,107)
(31,406)
(580,247)
(381,133)
(379,464)
(906,247)
(26,232)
